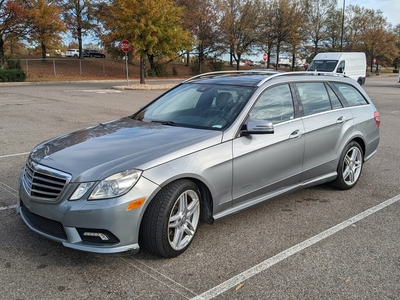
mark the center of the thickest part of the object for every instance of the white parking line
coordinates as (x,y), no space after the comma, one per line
(102,91)
(8,207)
(240,278)
(161,278)
(13,192)
(16,154)
(9,189)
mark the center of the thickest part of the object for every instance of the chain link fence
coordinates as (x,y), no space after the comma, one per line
(37,69)
(74,68)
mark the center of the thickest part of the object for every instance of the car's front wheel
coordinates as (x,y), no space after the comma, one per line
(171,219)
(350,167)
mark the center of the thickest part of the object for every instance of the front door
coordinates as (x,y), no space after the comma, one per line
(264,163)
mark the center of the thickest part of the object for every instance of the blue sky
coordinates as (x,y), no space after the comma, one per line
(389,8)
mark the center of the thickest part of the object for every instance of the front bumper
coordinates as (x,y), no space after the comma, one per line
(101,226)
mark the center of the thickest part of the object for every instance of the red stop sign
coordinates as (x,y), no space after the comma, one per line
(125,46)
(265,56)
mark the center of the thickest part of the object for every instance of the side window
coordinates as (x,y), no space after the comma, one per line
(336,104)
(274,104)
(314,97)
(351,94)
(340,68)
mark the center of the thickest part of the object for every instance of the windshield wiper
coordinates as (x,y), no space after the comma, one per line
(169,123)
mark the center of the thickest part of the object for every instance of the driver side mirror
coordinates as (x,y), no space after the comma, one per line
(256,126)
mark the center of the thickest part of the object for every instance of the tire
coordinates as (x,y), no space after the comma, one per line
(350,167)
(360,81)
(171,219)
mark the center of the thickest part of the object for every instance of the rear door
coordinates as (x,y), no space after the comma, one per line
(327,124)
(264,163)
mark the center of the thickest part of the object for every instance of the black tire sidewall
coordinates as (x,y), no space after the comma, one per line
(339,182)
(154,229)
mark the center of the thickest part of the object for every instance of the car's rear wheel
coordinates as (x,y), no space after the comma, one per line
(350,167)
(171,219)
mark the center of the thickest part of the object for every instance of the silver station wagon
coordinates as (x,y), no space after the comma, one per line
(214,145)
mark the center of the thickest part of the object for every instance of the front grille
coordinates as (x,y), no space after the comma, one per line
(43,182)
(43,224)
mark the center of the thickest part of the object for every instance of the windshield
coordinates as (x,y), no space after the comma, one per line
(322,65)
(197,105)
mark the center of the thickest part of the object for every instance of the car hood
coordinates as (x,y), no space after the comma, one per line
(105,149)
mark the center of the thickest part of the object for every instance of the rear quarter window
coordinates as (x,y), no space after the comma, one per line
(352,96)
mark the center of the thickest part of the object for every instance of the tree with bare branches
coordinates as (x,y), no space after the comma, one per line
(80,17)
(240,26)
(201,19)
(369,32)
(317,14)
(286,23)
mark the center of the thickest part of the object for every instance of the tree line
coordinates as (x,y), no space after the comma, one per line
(204,30)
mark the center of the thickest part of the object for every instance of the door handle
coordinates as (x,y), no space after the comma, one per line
(340,120)
(296,134)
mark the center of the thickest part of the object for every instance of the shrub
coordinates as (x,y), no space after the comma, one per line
(217,65)
(13,64)
(194,69)
(12,75)
(395,71)
(159,71)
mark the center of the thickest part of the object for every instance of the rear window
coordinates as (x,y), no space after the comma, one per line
(352,96)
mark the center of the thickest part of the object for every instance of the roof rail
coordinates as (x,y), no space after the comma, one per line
(296,73)
(215,74)
(272,74)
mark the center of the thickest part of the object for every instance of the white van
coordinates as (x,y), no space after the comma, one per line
(351,64)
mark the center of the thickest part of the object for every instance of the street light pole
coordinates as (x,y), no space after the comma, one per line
(341,36)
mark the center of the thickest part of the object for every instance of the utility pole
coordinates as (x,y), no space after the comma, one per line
(341,36)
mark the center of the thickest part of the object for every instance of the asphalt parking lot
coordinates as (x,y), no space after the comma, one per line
(318,243)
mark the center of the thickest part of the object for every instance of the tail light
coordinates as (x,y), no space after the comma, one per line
(377,119)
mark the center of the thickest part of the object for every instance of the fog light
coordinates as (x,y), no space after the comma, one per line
(97,234)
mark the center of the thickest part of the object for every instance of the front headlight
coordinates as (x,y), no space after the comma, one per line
(115,185)
(81,190)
